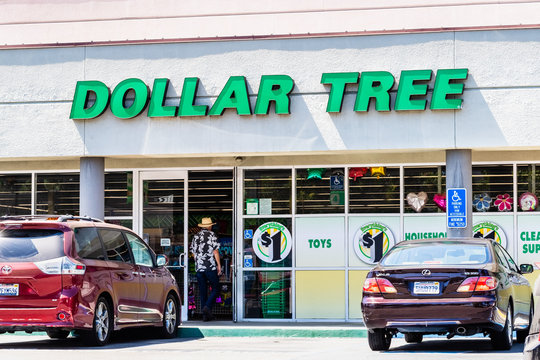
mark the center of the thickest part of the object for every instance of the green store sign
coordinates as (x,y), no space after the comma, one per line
(92,98)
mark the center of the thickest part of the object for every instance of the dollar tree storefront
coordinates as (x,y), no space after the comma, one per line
(314,156)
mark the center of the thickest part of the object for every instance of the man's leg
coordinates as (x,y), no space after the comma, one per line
(203,292)
(213,278)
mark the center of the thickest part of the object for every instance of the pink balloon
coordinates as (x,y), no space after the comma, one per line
(440,200)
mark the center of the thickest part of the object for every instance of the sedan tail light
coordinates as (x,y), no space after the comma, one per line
(374,285)
(478,283)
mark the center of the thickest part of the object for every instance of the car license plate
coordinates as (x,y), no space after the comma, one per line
(9,289)
(426,287)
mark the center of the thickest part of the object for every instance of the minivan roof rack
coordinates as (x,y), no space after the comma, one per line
(55,217)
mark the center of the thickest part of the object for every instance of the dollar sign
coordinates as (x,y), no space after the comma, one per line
(266,240)
(367,241)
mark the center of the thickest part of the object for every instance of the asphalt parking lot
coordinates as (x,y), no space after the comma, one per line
(140,345)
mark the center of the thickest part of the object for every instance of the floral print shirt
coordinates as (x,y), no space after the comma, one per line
(203,245)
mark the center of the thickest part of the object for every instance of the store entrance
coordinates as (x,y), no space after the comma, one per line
(162,217)
(210,194)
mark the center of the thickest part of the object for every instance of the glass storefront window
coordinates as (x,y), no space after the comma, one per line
(119,194)
(371,193)
(15,194)
(421,186)
(267,192)
(489,182)
(320,191)
(253,253)
(528,181)
(128,223)
(57,194)
(267,294)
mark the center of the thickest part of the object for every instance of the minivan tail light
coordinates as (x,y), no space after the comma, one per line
(61,266)
(379,285)
(478,283)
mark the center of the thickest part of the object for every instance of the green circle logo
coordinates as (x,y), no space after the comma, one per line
(372,241)
(490,230)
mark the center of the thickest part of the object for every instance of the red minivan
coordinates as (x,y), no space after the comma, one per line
(59,274)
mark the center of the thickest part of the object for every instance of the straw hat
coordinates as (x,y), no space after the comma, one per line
(206,222)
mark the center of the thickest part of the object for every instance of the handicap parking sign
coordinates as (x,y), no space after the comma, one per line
(456,207)
(248,261)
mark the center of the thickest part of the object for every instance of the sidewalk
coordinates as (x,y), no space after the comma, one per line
(199,329)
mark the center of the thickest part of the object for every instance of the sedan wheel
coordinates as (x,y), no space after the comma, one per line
(379,339)
(413,338)
(170,318)
(504,340)
(102,325)
(521,335)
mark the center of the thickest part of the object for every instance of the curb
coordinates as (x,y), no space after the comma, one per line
(309,332)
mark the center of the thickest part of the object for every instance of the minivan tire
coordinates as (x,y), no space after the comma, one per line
(171,318)
(102,325)
(58,333)
(379,339)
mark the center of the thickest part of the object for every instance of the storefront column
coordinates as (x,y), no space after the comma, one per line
(459,175)
(92,188)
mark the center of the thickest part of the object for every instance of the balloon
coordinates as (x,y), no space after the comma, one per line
(504,202)
(315,173)
(482,202)
(440,201)
(528,201)
(417,201)
(357,172)
(378,171)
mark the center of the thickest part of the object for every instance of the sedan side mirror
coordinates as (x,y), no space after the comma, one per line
(526,268)
(163,260)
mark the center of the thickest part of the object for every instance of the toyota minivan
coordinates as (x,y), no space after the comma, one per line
(64,273)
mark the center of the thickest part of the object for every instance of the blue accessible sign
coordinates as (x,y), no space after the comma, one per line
(456,207)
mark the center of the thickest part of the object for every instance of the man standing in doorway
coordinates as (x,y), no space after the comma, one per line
(205,249)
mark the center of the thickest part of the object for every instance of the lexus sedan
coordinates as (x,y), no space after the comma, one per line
(447,287)
(59,274)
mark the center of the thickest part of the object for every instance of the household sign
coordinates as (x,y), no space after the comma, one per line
(456,212)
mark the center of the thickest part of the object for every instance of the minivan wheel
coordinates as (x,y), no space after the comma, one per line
(414,337)
(503,340)
(102,325)
(379,339)
(57,333)
(170,318)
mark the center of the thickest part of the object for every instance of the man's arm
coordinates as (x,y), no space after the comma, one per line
(218,261)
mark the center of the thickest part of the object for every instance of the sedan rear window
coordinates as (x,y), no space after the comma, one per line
(30,245)
(447,253)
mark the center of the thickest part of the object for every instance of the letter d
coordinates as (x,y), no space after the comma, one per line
(79,106)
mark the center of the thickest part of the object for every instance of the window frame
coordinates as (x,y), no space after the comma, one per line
(132,262)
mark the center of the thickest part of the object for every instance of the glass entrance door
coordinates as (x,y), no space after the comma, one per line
(163,225)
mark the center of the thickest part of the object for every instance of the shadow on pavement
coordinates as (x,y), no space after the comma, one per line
(454,346)
(127,338)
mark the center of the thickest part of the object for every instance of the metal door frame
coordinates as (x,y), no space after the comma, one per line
(138,178)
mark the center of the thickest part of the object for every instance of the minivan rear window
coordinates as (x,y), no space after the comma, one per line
(441,253)
(30,245)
